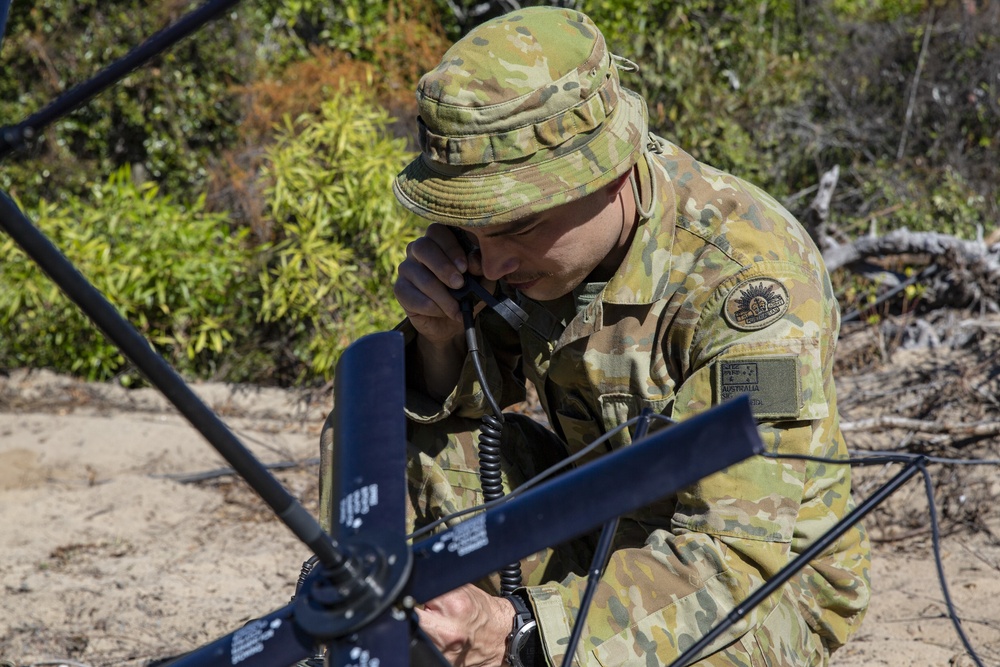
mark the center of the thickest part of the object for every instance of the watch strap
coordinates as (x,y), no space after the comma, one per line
(523,642)
(522,609)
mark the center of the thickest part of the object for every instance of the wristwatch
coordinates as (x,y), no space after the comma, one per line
(524,646)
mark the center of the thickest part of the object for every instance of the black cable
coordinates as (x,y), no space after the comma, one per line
(14,136)
(600,560)
(944,460)
(939,563)
(880,459)
(877,457)
(534,481)
(490,439)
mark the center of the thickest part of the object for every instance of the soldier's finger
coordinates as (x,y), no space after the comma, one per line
(420,292)
(427,252)
(453,242)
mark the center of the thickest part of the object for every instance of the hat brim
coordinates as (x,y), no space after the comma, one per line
(479,197)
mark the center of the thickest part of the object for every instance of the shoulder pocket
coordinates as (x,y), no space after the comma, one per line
(783,380)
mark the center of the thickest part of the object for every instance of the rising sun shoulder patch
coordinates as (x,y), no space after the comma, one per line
(755,304)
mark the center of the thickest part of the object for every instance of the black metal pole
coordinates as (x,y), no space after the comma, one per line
(12,137)
(814,550)
(4,10)
(601,555)
(164,378)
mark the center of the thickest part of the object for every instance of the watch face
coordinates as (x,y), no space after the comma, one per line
(523,638)
(523,645)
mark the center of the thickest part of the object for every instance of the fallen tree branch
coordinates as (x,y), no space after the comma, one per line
(889,422)
(903,241)
(969,274)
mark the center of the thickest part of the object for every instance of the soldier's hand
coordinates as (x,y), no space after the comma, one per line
(469,626)
(434,263)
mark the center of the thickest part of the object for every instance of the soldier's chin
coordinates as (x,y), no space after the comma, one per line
(526,286)
(542,289)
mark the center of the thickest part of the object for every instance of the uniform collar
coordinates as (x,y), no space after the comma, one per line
(650,252)
(632,284)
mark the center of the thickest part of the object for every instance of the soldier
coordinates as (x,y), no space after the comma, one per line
(650,280)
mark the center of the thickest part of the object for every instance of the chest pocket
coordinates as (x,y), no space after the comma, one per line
(618,408)
(578,426)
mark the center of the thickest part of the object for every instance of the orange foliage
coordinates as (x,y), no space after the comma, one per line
(301,89)
(413,43)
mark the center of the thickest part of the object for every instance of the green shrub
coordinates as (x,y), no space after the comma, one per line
(941,201)
(174,271)
(721,80)
(165,119)
(341,233)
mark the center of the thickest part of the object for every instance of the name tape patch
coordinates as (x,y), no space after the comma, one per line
(771,383)
(755,304)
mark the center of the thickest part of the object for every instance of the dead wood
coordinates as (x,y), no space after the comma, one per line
(888,422)
(957,273)
(904,242)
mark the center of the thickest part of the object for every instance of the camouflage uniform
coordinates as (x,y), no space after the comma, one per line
(721,293)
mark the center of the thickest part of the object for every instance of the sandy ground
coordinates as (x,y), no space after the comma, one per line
(106,560)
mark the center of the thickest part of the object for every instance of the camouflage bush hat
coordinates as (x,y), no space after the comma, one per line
(523,114)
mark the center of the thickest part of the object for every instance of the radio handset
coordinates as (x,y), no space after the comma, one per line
(507,309)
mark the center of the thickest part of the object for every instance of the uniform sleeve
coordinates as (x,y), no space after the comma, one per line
(767,332)
(500,352)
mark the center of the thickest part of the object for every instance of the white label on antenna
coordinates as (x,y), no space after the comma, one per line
(249,640)
(466,537)
(361,658)
(356,504)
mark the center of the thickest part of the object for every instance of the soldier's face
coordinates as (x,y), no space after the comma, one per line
(547,255)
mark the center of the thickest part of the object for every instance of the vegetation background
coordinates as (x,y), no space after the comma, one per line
(232,198)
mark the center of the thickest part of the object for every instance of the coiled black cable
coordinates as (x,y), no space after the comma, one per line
(490,433)
(490,437)
(307,568)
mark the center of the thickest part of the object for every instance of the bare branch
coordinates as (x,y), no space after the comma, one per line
(903,241)
(817,217)
(888,422)
(916,81)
